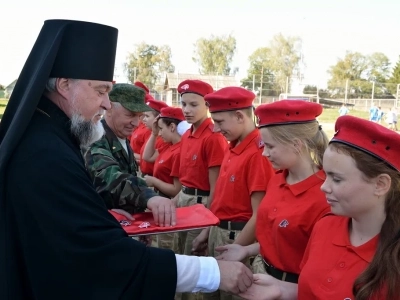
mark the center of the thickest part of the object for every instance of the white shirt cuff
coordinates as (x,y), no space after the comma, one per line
(197,274)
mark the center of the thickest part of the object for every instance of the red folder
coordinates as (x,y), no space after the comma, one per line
(187,218)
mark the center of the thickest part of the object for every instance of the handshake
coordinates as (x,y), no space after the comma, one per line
(236,278)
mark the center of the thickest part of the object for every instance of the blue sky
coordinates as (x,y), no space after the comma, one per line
(327,29)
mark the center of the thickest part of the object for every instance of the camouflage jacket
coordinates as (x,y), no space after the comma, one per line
(113,172)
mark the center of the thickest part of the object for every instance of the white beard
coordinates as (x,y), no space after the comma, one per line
(87,132)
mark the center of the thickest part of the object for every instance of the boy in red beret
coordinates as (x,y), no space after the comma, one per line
(201,154)
(244,174)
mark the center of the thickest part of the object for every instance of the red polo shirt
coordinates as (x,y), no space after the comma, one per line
(147,167)
(331,264)
(243,171)
(286,217)
(165,161)
(138,137)
(200,151)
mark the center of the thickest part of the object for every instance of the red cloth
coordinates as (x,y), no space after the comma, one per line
(187,218)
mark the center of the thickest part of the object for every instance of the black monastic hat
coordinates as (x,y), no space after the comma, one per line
(63,49)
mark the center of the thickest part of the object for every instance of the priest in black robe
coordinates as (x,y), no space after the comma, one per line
(57,239)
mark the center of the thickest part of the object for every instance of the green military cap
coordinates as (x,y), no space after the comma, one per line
(131,97)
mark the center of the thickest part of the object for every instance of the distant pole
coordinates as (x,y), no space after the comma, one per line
(373,90)
(287,85)
(261,84)
(254,81)
(345,92)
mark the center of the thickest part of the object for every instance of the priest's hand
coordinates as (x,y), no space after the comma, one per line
(164,211)
(235,277)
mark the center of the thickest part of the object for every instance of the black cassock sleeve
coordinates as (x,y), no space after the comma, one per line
(70,246)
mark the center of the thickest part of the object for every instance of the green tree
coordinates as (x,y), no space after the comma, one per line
(394,80)
(310,89)
(378,67)
(147,63)
(259,71)
(214,55)
(277,62)
(361,71)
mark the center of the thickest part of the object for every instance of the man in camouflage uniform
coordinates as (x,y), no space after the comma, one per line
(110,161)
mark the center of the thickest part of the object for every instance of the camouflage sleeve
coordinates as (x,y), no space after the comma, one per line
(118,189)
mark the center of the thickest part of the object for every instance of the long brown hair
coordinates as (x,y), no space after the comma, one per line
(383,273)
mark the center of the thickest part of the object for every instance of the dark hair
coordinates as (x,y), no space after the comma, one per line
(383,273)
(169,121)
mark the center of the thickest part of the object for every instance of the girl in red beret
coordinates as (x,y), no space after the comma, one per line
(294,143)
(355,252)
(170,125)
(154,141)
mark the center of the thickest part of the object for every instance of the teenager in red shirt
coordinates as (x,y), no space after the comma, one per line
(294,143)
(147,162)
(354,254)
(243,177)
(170,125)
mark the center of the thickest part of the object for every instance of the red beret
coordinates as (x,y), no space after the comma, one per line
(287,112)
(229,98)
(196,87)
(148,97)
(369,137)
(155,104)
(142,86)
(173,113)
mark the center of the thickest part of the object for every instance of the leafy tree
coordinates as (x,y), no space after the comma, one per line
(277,62)
(395,78)
(310,89)
(361,71)
(214,55)
(147,63)
(2,87)
(259,71)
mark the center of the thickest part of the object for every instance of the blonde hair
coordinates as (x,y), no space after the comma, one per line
(310,134)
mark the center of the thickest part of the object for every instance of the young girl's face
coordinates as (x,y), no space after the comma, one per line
(348,191)
(281,156)
(165,131)
(148,119)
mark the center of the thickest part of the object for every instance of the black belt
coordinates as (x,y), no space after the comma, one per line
(279,274)
(161,193)
(229,225)
(194,192)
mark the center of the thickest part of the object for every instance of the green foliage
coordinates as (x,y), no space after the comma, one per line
(361,71)
(272,65)
(310,89)
(148,62)
(395,78)
(215,54)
